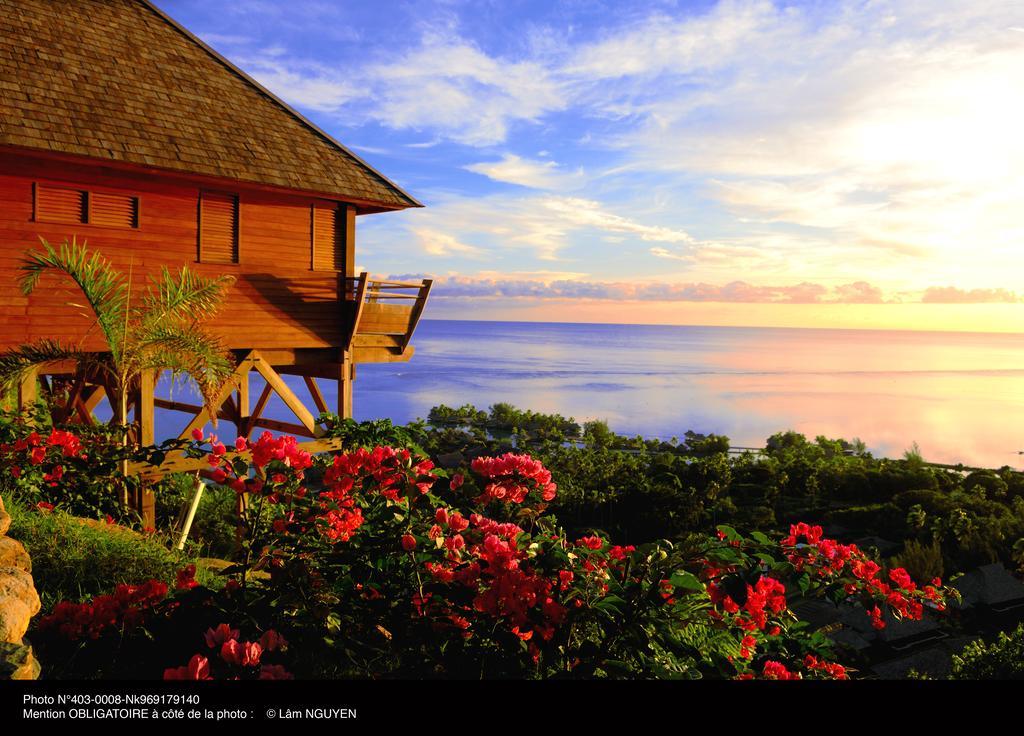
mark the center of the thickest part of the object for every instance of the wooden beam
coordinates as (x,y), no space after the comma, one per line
(292,401)
(242,405)
(87,402)
(314,391)
(202,417)
(178,463)
(261,404)
(94,398)
(381,355)
(287,427)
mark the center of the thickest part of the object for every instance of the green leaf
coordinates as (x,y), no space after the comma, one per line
(731,535)
(686,581)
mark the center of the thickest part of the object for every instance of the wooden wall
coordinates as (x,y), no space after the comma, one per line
(277,301)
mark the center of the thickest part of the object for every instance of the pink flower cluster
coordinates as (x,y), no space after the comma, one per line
(241,659)
(512,477)
(127,607)
(828,559)
(33,450)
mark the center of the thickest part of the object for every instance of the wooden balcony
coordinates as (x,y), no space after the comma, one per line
(384,317)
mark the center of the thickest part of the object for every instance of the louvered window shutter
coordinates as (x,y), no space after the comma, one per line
(113,210)
(328,236)
(218,228)
(57,204)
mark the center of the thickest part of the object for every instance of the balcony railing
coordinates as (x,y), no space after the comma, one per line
(386,312)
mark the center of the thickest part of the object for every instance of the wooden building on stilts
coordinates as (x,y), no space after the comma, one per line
(121,128)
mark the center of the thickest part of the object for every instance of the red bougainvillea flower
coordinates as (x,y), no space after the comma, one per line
(242,654)
(829,669)
(215,638)
(186,578)
(198,668)
(128,607)
(777,671)
(271,641)
(197,434)
(512,478)
(408,542)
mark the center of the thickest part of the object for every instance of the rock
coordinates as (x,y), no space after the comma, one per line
(5,521)
(17,662)
(15,616)
(17,584)
(13,554)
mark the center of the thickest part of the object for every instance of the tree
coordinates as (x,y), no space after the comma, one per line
(160,331)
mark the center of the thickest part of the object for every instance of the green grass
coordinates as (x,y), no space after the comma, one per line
(74,559)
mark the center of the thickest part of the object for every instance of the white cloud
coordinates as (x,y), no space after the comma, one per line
(525,172)
(305,84)
(441,243)
(450,85)
(542,225)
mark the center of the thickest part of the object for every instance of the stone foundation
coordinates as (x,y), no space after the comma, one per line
(19,602)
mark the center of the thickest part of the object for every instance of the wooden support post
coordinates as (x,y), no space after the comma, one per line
(144,407)
(145,415)
(346,373)
(242,402)
(28,390)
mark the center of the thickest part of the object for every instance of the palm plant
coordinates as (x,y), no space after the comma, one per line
(161,331)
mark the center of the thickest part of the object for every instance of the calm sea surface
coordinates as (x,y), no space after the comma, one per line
(960,396)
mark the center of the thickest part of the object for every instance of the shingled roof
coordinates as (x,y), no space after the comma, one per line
(119,80)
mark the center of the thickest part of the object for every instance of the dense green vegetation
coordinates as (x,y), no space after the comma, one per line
(946,520)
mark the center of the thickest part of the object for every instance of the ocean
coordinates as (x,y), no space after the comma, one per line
(959,396)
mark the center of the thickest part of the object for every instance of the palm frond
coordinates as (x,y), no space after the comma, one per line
(18,363)
(183,296)
(183,349)
(102,286)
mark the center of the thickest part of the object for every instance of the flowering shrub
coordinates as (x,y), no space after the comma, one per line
(126,608)
(75,469)
(382,564)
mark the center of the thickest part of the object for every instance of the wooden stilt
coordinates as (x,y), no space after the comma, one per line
(346,373)
(145,416)
(242,401)
(28,391)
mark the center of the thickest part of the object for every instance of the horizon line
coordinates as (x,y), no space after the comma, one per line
(736,327)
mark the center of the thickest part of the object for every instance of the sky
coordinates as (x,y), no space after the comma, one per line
(743,162)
